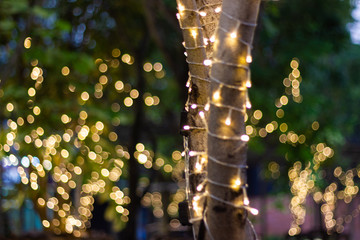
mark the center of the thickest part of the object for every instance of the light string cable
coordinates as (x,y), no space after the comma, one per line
(245,204)
(195,33)
(244,138)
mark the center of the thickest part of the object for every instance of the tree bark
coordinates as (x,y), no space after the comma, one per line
(227,204)
(198,83)
(209,19)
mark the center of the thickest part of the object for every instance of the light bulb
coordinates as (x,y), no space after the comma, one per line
(193,33)
(207,107)
(248,105)
(216,95)
(206,41)
(245,138)
(186,127)
(212,39)
(233,34)
(248,58)
(228,121)
(246,201)
(178,16)
(218,9)
(202,114)
(207,62)
(198,167)
(254,211)
(248,84)
(193,106)
(181,8)
(203,14)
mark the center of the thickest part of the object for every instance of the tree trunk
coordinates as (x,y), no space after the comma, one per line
(227,202)
(198,83)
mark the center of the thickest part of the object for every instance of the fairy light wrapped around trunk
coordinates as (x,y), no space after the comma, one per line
(223,186)
(226,190)
(192,127)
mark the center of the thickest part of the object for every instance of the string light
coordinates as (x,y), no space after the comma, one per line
(207,62)
(201,156)
(216,95)
(228,118)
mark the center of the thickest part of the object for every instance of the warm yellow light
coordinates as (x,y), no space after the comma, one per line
(36,110)
(294,64)
(181,7)
(248,84)
(203,14)
(212,39)
(140,147)
(207,62)
(148,67)
(245,138)
(103,67)
(248,58)
(198,167)
(284,100)
(257,114)
(46,223)
(149,101)
(103,80)
(218,9)
(31,92)
(128,102)
(254,211)
(142,158)
(105,172)
(85,96)
(228,121)
(216,95)
(116,52)
(134,93)
(158,67)
(9,107)
(315,125)
(207,107)
(27,42)
(119,85)
(233,35)
(246,201)
(200,187)
(65,71)
(283,127)
(193,33)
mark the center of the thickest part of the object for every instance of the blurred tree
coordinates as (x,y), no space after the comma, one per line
(74,132)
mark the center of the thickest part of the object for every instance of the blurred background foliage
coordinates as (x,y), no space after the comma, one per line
(91,92)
